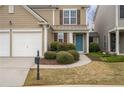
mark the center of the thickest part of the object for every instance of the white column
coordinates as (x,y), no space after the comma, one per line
(70,37)
(87,42)
(45,38)
(116,14)
(53,17)
(109,50)
(117,42)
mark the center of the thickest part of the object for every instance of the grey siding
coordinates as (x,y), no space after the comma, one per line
(120,20)
(104,21)
(122,42)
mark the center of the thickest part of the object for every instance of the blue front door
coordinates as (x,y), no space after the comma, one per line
(79,42)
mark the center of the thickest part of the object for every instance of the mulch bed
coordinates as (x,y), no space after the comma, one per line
(48,62)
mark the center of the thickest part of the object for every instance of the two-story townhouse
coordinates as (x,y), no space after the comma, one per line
(109,23)
(26,29)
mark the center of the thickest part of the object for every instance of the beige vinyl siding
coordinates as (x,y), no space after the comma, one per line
(20,19)
(47,14)
(50,38)
(83,16)
(57,17)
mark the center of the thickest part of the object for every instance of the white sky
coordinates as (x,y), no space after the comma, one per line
(90,14)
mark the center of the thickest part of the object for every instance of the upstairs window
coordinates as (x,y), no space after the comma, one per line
(121,11)
(70,16)
(11,9)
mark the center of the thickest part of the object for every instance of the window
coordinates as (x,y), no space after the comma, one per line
(91,39)
(70,16)
(121,11)
(113,42)
(104,42)
(61,37)
(11,9)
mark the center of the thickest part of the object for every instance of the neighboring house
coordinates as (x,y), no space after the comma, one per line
(109,23)
(26,29)
(93,37)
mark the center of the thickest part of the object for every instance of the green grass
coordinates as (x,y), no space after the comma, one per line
(107,57)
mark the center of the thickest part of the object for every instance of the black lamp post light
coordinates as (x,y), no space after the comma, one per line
(37,61)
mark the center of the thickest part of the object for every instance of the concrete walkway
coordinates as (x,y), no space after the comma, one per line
(83,61)
(13,71)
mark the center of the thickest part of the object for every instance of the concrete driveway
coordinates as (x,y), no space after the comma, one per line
(13,71)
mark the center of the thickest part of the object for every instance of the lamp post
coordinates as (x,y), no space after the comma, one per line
(37,61)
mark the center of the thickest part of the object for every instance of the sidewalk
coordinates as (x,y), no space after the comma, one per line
(83,61)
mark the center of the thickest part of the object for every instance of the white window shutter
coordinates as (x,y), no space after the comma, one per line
(11,9)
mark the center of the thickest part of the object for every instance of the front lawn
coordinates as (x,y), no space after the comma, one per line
(97,73)
(106,57)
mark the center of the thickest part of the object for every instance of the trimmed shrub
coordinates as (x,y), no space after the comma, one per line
(66,46)
(54,46)
(50,55)
(70,46)
(75,54)
(64,58)
(94,47)
(57,46)
(62,47)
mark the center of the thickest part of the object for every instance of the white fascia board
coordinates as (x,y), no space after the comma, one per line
(111,30)
(33,13)
(71,31)
(5,30)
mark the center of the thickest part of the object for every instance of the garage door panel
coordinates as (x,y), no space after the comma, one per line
(4,44)
(26,44)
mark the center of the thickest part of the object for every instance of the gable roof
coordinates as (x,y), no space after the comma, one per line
(96,13)
(37,16)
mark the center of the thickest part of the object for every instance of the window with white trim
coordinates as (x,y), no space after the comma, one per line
(70,16)
(11,9)
(61,37)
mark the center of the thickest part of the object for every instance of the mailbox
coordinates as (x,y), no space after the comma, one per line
(37,60)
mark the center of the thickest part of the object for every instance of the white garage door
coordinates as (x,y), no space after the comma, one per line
(4,44)
(26,44)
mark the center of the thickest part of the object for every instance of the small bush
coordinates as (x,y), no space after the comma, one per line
(75,54)
(64,58)
(94,47)
(50,55)
(62,47)
(57,46)
(66,46)
(70,47)
(54,46)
